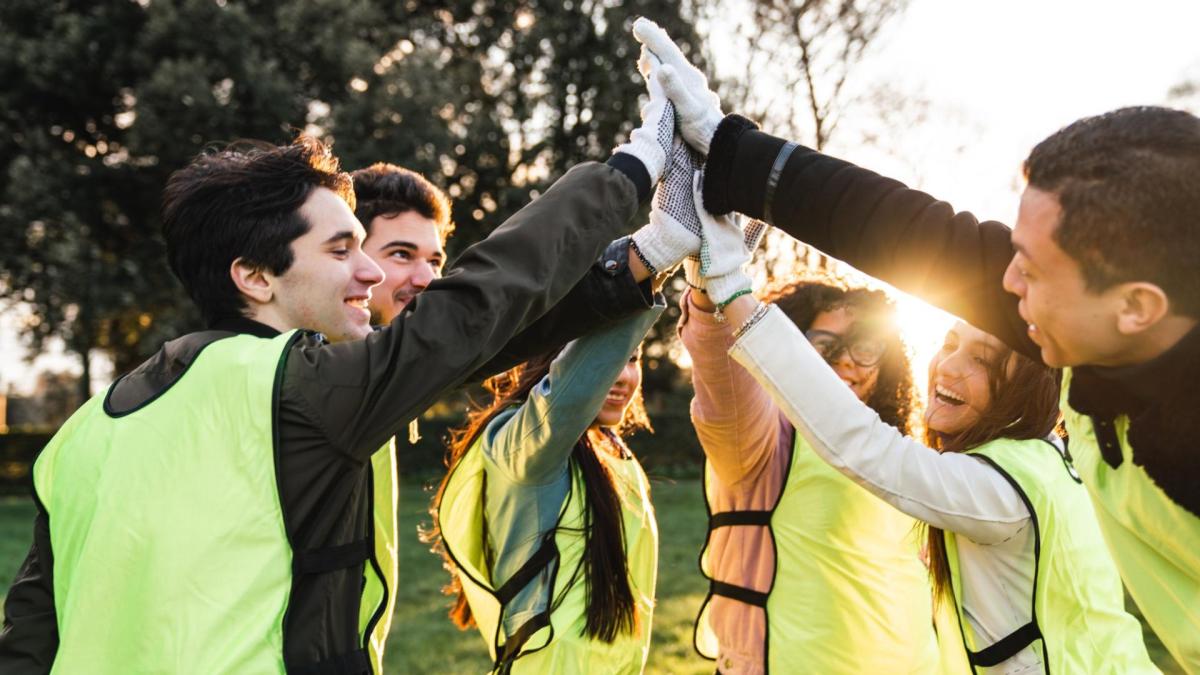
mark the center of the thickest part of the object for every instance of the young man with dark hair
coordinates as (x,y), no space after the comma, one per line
(1100,276)
(407,220)
(229,505)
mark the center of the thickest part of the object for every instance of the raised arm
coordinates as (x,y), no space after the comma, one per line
(736,421)
(532,443)
(952,491)
(880,226)
(362,392)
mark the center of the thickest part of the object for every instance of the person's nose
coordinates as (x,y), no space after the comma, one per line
(368,271)
(1013,282)
(424,274)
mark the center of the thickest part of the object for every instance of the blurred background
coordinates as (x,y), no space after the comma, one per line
(493,101)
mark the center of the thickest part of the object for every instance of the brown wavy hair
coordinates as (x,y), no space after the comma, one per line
(611,610)
(895,394)
(1024,406)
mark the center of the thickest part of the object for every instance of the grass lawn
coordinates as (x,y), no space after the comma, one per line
(422,638)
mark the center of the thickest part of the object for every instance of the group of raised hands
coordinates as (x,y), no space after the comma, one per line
(678,124)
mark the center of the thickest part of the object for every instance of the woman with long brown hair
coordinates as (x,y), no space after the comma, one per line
(544,516)
(1013,542)
(808,572)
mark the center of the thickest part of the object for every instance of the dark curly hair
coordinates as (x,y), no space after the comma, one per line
(895,395)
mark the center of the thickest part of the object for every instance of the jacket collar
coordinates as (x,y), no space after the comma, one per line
(1130,390)
(243,325)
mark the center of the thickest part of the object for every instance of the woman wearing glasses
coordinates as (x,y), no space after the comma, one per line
(809,572)
(1013,544)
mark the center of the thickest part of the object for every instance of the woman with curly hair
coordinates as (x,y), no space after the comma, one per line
(1015,551)
(809,572)
(544,517)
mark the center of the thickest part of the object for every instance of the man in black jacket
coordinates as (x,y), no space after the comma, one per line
(1101,275)
(265,242)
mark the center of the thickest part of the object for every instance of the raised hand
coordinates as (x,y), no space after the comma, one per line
(652,142)
(698,107)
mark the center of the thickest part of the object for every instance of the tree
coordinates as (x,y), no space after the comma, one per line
(102,101)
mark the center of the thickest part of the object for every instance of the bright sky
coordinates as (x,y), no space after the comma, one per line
(1001,75)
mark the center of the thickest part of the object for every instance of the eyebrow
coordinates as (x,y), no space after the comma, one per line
(400,243)
(339,236)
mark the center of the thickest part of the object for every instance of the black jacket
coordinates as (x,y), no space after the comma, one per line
(526,288)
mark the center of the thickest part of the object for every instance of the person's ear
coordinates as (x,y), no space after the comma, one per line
(253,281)
(1141,306)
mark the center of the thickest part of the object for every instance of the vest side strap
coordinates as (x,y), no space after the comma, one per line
(1006,647)
(357,662)
(547,552)
(514,642)
(330,558)
(740,593)
(735,518)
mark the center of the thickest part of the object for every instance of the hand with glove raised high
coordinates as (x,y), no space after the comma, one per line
(652,142)
(698,107)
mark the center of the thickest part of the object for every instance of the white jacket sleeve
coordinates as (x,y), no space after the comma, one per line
(952,491)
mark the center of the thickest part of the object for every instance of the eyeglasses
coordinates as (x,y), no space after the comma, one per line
(864,351)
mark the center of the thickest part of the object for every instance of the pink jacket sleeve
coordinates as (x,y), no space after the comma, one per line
(735,418)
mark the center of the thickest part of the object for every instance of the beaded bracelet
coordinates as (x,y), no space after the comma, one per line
(638,252)
(759,313)
(719,315)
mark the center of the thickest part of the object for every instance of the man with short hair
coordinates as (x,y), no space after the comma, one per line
(1101,276)
(229,505)
(407,220)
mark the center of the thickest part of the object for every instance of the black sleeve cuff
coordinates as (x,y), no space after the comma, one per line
(633,169)
(718,170)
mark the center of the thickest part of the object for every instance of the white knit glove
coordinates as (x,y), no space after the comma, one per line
(674,229)
(698,107)
(725,249)
(651,143)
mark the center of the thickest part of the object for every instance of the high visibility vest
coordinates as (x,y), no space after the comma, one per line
(1077,613)
(1154,541)
(554,641)
(170,549)
(849,594)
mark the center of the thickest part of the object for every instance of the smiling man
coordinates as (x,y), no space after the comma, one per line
(407,220)
(229,505)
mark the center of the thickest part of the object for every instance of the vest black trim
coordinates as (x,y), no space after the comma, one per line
(383,600)
(546,553)
(117,414)
(748,517)
(735,518)
(1011,644)
(740,593)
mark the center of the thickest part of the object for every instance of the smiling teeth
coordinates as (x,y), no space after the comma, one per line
(946,393)
(361,303)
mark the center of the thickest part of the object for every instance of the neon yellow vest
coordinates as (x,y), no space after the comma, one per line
(1077,612)
(557,643)
(1155,542)
(850,594)
(170,553)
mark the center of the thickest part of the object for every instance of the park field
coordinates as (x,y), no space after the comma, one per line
(422,638)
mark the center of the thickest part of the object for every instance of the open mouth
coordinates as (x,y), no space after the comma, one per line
(359,303)
(616,399)
(944,395)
